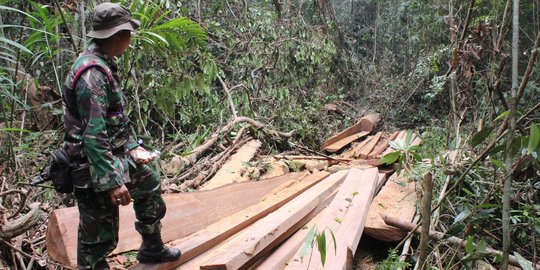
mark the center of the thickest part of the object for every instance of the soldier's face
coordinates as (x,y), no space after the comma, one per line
(124,38)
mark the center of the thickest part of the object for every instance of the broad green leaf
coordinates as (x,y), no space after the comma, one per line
(390,158)
(463,215)
(534,138)
(306,246)
(454,230)
(408,138)
(321,246)
(396,144)
(482,246)
(469,246)
(502,115)
(524,263)
(481,136)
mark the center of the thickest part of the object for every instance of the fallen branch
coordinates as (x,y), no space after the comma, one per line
(215,163)
(456,241)
(191,159)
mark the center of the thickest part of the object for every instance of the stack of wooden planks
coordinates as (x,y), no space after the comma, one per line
(245,236)
(272,223)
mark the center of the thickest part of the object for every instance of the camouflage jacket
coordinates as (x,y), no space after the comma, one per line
(96,128)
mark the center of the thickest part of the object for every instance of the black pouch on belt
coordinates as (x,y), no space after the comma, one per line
(60,172)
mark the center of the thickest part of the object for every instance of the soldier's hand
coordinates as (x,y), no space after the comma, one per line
(141,155)
(119,195)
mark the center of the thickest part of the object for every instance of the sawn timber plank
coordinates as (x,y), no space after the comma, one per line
(335,215)
(364,152)
(247,246)
(351,228)
(345,141)
(187,213)
(195,244)
(196,262)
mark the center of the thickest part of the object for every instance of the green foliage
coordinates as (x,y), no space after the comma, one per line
(392,262)
(319,237)
(405,154)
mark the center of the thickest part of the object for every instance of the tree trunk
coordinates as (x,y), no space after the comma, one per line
(509,155)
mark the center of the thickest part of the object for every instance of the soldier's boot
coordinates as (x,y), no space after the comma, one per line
(154,251)
(102,265)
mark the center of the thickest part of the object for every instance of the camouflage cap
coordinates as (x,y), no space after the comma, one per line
(109,18)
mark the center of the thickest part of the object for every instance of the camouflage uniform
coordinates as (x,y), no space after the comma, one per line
(97,139)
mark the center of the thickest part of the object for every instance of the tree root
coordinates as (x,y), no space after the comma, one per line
(22,224)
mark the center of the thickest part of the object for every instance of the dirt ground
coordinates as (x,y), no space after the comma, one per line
(370,252)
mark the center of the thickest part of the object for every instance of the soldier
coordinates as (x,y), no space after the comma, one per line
(109,166)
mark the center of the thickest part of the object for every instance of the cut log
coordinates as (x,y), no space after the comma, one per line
(351,227)
(364,151)
(366,123)
(247,246)
(345,141)
(207,238)
(358,181)
(396,198)
(230,172)
(187,213)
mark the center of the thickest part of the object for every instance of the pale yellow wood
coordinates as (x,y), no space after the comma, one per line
(186,214)
(249,244)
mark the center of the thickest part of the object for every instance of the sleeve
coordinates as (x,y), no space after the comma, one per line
(131,143)
(106,169)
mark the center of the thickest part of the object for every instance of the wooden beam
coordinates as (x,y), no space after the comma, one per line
(196,262)
(352,226)
(281,256)
(334,216)
(187,213)
(245,247)
(311,157)
(358,148)
(379,148)
(366,123)
(209,237)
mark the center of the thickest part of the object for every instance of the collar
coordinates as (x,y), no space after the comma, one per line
(93,48)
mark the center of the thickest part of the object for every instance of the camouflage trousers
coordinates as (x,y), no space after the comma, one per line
(98,217)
